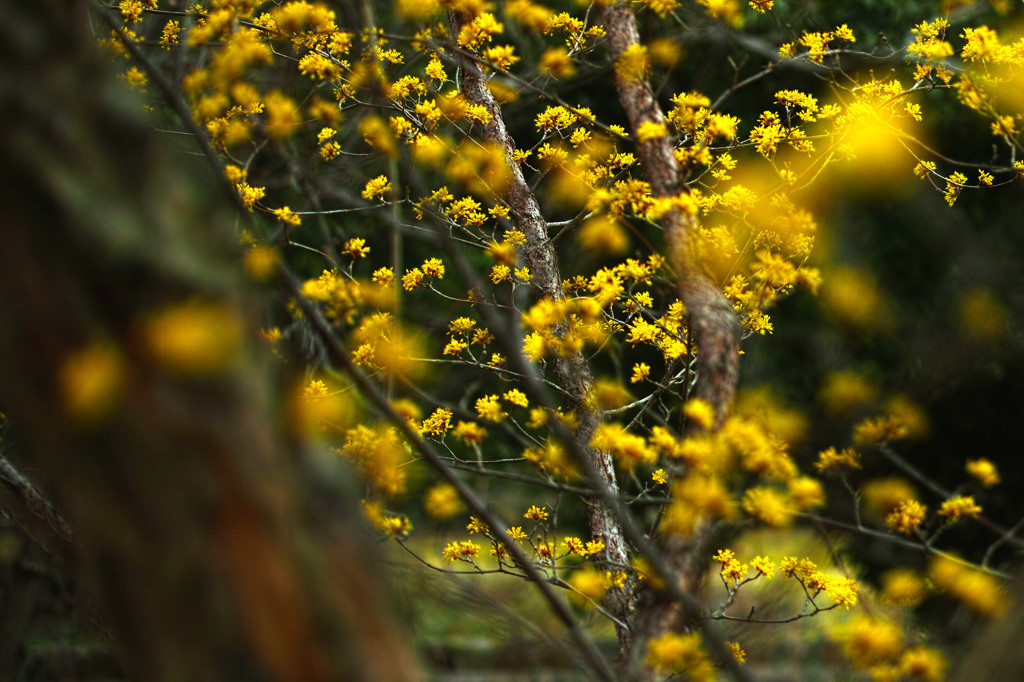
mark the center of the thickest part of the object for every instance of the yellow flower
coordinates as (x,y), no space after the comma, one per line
(641,371)
(435,70)
(983,470)
(805,493)
(867,641)
(535,513)
(438,423)
(616,579)
(922,663)
(282,114)
(469,433)
(433,267)
(516,397)
(455,347)
(764,566)
(356,248)
(194,337)
(883,495)
(829,459)
(981,592)
(500,273)
(412,279)
(958,507)
(649,130)
(91,381)
(633,64)
(629,449)
(460,551)
(903,587)
(261,262)
(701,412)
(383,276)
(675,653)
(169,34)
(376,187)
(286,216)
(769,505)
(135,78)
(442,501)
(489,408)
(589,583)
(907,517)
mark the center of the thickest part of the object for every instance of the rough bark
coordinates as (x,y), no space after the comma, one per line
(202,531)
(572,372)
(710,318)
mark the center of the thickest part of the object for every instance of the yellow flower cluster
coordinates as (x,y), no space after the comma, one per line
(841,590)
(907,517)
(958,507)
(378,455)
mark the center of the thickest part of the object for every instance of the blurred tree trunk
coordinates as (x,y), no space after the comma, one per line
(201,529)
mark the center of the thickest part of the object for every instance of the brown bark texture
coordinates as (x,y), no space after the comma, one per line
(572,372)
(710,317)
(216,551)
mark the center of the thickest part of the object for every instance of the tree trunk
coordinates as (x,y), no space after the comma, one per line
(202,530)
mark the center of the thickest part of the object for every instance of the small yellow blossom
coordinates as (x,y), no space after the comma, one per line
(764,566)
(435,70)
(983,470)
(907,517)
(194,337)
(383,276)
(903,587)
(675,653)
(589,583)
(535,513)
(433,267)
(455,347)
(829,460)
(489,408)
(557,62)
(649,130)
(261,262)
(438,423)
(516,397)
(958,507)
(615,579)
(376,187)
(442,501)
(867,641)
(412,279)
(286,216)
(356,248)
(633,64)
(500,273)
(469,433)
(701,412)
(641,371)
(769,505)
(460,551)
